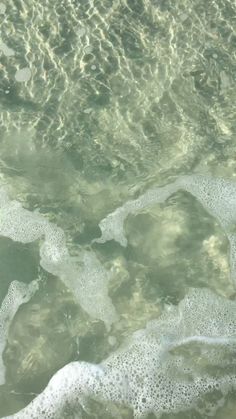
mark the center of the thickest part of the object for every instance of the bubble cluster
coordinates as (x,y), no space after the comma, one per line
(217,195)
(154,372)
(19,224)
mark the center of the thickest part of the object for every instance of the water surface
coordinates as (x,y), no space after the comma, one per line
(98,102)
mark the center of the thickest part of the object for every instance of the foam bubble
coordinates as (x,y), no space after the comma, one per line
(154,372)
(23,74)
(18,293)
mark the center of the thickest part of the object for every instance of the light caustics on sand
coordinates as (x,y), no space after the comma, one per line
(153,370)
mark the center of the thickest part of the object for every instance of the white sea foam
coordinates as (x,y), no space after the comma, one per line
(88,280)
(217,195)
(18,293)
(112,226)
(154,370)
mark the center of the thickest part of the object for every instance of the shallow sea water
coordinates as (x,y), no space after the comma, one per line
(119,96)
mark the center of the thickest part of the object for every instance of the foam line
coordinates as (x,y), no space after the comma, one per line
(145,374)
(18,293)
(217,195)
(84,276)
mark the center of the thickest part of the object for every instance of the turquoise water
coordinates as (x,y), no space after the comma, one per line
(99,101)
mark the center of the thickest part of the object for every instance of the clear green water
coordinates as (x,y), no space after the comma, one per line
(122,95)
